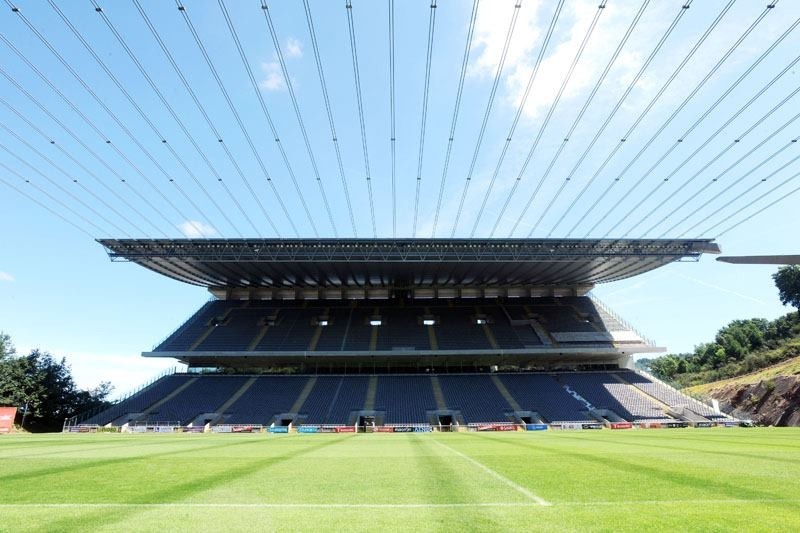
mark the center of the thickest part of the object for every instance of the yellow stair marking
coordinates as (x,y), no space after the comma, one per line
(209,329)
(373,339)
(298,403)
(257,339)
(169,397)
(312,346)
(202,337)
(236,395)
(488,332)
(505,393)
(438,395)
(372,389)
(434,342)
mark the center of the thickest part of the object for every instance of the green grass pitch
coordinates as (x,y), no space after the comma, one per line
(694,479)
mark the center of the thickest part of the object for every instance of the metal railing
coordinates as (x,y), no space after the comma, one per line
(77,419)
(599,303)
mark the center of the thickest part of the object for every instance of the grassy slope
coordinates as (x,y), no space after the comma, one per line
(790,367)
(705,480)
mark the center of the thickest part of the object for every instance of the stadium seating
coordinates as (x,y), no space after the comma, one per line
(238,326)
(402,399)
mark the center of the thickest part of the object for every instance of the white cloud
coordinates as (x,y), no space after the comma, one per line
(490,33)
(294,48)
(273,79)
(193,229)
(5,276)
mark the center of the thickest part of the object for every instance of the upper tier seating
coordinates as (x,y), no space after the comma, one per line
(294,325)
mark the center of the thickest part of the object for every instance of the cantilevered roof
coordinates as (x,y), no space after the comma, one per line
(761,259)
(301,263)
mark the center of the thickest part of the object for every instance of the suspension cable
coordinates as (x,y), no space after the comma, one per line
(43,205)
(144,117)
(520,109)
(64,191)
(424,118)
(742,194)
(641,117)
(203,112)
(683,136)
(722,152)
(601,130)
(763,162)
(201,47)
(546,121)
(265,111)
(357,79)
(578,118)
(177,120)
(83,167)
(83,116)
(457,106)
(487,113)
(719,130)
(761,210)
(326,98)
(290,87)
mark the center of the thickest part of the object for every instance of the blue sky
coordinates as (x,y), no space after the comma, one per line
(58,291)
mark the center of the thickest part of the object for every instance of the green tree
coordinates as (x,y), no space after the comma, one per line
(43,387)
(787,279)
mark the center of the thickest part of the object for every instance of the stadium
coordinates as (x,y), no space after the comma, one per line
(312,265)
(402,335)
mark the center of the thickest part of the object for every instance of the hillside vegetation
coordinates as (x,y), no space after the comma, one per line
(741,347)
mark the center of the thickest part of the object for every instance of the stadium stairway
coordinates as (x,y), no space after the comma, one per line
(372,389)
(232,400)
(210,329)
(297,406)
(257,339)
(438,395)
(165,399)
(506,394)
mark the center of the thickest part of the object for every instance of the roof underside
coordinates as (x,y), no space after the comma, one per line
(315,263)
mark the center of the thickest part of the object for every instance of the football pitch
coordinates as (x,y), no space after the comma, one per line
(682,479)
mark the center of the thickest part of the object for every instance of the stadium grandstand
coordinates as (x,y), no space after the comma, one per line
(408,333)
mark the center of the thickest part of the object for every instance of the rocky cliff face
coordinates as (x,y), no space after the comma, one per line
(772,402)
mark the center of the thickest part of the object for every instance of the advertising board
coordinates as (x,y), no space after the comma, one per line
(535,427)
(621,425)
(7,415)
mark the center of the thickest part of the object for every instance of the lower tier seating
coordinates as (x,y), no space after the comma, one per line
(400,398)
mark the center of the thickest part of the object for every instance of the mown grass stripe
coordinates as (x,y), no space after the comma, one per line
(516,486)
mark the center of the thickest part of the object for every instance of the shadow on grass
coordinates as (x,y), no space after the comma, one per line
(176,493)
(83,464)
(730,490)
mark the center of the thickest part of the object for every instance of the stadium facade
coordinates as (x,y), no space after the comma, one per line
(405,333)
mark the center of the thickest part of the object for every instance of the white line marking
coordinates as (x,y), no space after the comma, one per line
(270,505)
(517,487)
(211,505)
